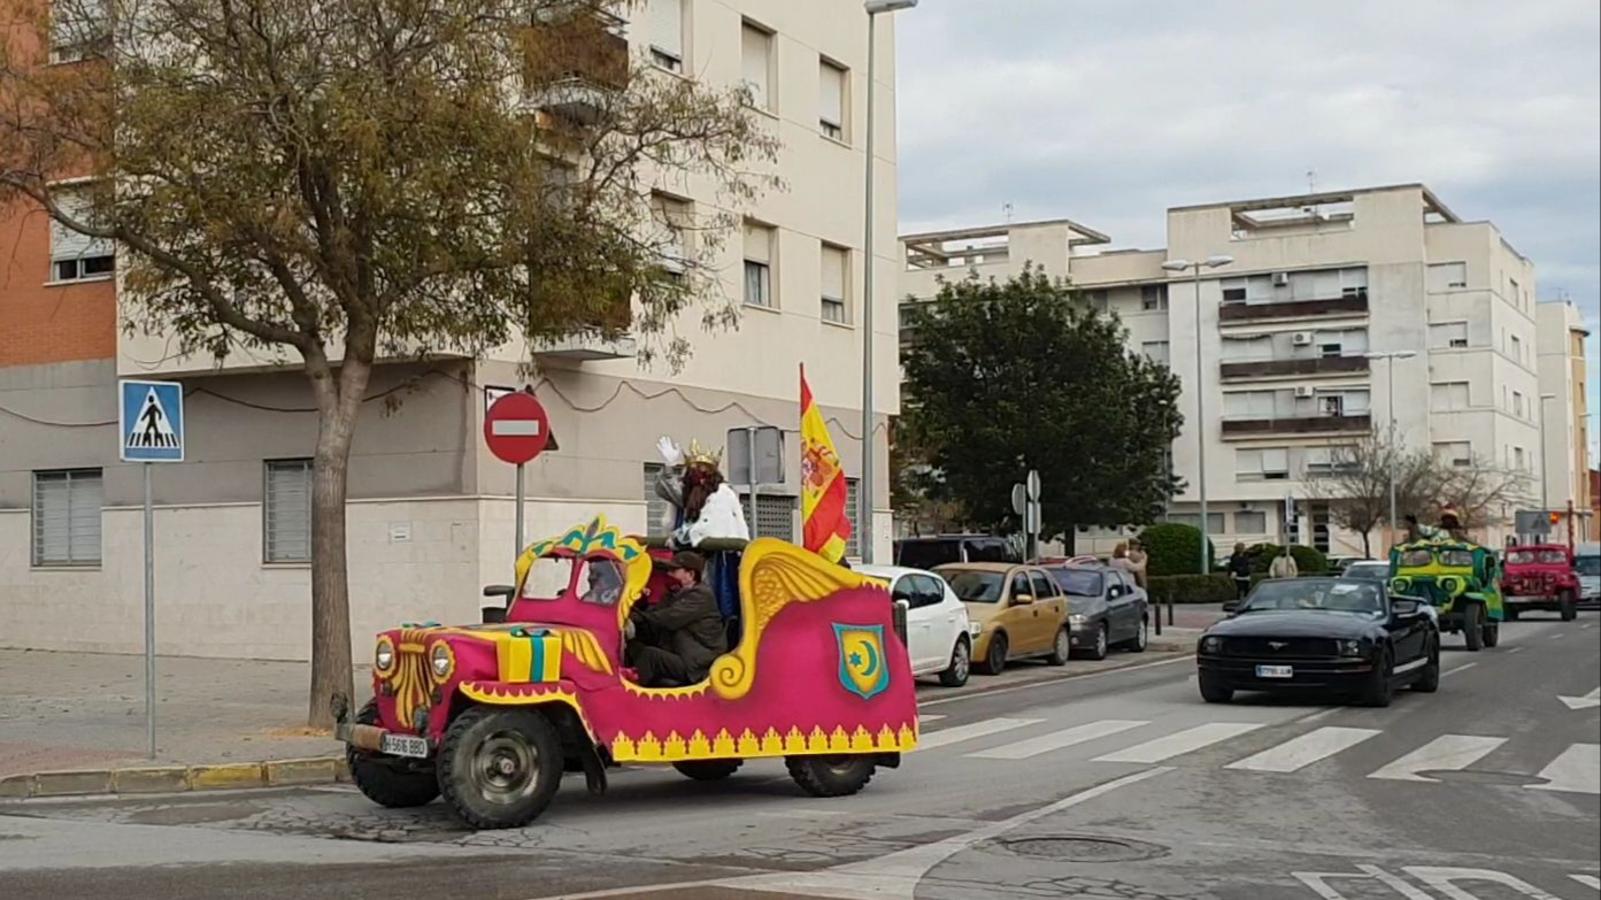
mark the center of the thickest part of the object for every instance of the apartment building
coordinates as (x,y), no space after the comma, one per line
(1279,338)
(1563,410)
(431,511)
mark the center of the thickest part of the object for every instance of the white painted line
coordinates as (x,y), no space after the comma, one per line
(1418,663)
(1056,740)
(515,427)
(1512,650)
(1169,746)
(1587,881)
(1576,770)
(1460,668)
(1448,752)
(929,718)
(1302,751)
(1441,878)
(1043,682)
(946,736)
(1558,636)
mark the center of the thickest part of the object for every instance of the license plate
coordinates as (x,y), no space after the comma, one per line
(404,745)
(1275,671)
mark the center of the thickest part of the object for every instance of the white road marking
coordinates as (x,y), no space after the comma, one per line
(1056,740)
(1442,879)
(1042,682)
(947,736)
(1418,663)
(1169,746)
(1558,636)
(1318,882)
(1512,650)
(1588,701)
(929,718)
(1448,752)
(1304,750)
(1587,881)
(1458,669)
(1576,770)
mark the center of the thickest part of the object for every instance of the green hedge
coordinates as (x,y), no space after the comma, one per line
(1214,588)
(1308,560)
(1174,549)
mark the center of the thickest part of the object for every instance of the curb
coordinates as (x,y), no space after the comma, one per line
(176,779)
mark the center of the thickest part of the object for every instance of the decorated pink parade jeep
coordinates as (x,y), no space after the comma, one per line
(491,715)
(1540,576)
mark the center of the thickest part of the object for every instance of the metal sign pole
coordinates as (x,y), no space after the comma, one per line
(750,456)
(519,549)
(150,621)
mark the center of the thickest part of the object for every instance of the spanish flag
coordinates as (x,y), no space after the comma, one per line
(824,525)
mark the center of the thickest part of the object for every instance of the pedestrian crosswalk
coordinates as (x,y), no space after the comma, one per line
(1575,769)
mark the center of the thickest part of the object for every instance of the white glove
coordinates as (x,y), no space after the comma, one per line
(628,629)
(669,451)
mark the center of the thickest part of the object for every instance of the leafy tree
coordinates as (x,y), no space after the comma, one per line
(1357,485)
(333,183)
(1002,377)
(1173,548)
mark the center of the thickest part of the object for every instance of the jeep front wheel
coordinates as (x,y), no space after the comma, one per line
(387,780)
(1567,607)
(831,776)
(1472,632)
(499,768)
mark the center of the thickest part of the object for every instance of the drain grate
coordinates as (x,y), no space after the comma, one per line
(1083,848)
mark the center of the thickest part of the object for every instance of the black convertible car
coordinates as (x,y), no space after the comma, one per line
(1321,634)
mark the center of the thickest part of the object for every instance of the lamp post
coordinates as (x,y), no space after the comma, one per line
(1194,268)
(864,496)
(1391,450)
(1545,484)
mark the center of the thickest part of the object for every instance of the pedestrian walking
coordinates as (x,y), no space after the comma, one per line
(1284,566)
(1240,568)
(1138,559)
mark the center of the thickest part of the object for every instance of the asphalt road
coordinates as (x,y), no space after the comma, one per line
(1119,784)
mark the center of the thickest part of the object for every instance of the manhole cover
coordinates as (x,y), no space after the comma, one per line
(1079,848)
(1514,779)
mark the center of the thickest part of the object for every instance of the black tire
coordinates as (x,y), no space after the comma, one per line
(387,780)
(499,768)
(1568,609)
(1214,690)
(1380,689)
(1492,633)
(1472,631)
(1098,647)
(1428,681)
(994,655)
(955,674)
(708,769)
(1141,638)
(1061,648)
(1509,614)
(831,776)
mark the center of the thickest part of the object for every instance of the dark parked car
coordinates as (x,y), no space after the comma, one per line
(1339,635)
(938,550)
(1105,609)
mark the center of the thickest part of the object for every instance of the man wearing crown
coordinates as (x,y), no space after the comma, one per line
(703,506)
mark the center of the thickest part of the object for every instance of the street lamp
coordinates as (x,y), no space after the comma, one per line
(1194,268)
(1545,490)
(1391,450)
(864,496)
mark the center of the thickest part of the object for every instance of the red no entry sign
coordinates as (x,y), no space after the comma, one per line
(516,428)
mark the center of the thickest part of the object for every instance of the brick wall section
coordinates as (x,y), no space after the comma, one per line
(40,322)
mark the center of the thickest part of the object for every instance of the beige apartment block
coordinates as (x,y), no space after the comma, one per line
(431,511)
(1276,342)
(1564,374)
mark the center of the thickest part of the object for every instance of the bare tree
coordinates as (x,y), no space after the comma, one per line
(1483,493)
(1357,485)
(334,183)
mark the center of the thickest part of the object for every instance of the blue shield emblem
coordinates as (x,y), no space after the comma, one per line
(863,668)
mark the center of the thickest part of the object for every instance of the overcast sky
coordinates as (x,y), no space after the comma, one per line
(1109,113)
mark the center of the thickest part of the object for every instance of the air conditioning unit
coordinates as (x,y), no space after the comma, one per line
(1305,390)
(1281,279)
(1301,339)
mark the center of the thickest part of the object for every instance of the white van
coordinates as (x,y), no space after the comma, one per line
(1587,562)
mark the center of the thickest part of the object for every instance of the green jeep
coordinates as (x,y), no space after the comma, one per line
(1459,578)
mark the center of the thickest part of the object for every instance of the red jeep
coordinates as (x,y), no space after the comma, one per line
(1540,576)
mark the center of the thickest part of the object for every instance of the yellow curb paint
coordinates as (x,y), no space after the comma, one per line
(231,775)
(316,770)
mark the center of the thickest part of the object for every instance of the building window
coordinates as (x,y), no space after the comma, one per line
(756,46)
(1515,347)
(1153,297)
(1448,335)
(1234,290)
(1457,453)
(1518,461)
(1096,299)
(286,511)
(1155,351)
(666,23)
(1448,276)
(853,545)
(1517,404)
(1262,464)
(1250,521)
(75,256)
(1214,521)
(774,517)
(1446,396)
(673,219)
(759,265)
(66,517)
(835,275)
(831,80)
(79,29)
(656,507)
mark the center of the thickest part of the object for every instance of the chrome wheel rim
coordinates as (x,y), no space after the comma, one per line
(1100,641)
(1144,634)
(1061,645)
(505,768)
(960,660)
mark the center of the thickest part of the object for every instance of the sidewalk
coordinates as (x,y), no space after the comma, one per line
(62,711)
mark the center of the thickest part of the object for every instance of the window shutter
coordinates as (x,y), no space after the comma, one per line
(853,546)
(287,523)
(666,23)
(66,517)
(758,243)
(1275,459)
(68,244)
(831,80)
(655,507)
(774,517)
(833,273)
(756,46)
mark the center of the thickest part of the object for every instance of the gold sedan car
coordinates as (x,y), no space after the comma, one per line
(1020,609)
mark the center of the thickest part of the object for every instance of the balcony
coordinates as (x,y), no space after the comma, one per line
(607,338)
(1246,370)
(573,63)
(1297,425)
(1239,311)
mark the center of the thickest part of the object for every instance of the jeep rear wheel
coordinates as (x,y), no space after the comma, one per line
(708,769)
(831,776)
(499,768)
(387,780)
(1472,632)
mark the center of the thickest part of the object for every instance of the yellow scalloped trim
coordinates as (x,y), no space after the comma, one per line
(649,748)
(473,691)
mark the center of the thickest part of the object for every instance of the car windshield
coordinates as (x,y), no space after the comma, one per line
(977,587)
(1315,594)
(1456,557)
(1368,571)
(549,578)
(927,554)
(1588,565)
(1520,557)
(1078,582)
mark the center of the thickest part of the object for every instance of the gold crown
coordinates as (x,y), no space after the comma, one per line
(697,455)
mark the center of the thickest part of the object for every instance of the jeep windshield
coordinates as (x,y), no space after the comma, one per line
(1315,595)
(1531,557)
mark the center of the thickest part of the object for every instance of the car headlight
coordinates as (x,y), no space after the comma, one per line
(1076,620)
(1351,648)
(1211,644)
(384,657)
(441,660)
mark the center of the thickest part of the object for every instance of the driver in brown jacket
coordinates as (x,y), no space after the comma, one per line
(675,641)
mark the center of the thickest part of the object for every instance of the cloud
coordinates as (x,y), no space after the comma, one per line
(1111,113)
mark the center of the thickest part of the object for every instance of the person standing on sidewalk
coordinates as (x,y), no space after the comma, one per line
(1240,568)
(1137,559)
(1284,566)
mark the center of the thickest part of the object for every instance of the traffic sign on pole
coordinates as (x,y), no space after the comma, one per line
(516,428)
(150,421)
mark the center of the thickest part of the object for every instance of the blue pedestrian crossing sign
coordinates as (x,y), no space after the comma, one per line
(150,420)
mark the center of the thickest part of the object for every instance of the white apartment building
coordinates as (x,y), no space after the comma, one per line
(431,511)
(1317,282)
(1564,410)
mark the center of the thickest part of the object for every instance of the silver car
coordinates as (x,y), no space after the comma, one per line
(1106,609)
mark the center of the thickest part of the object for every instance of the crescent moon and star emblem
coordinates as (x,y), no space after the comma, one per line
(863,669)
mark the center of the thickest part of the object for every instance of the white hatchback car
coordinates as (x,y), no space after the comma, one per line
(939,636)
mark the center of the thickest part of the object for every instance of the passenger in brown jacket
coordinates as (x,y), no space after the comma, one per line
(676,641)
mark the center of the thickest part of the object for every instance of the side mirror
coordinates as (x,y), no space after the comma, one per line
(1231,607)
(1022,599)
(493,614)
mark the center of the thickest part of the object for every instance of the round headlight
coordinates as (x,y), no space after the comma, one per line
(1350,648)
(1076,620)
(441,660)
(384,657)
(1211,644)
